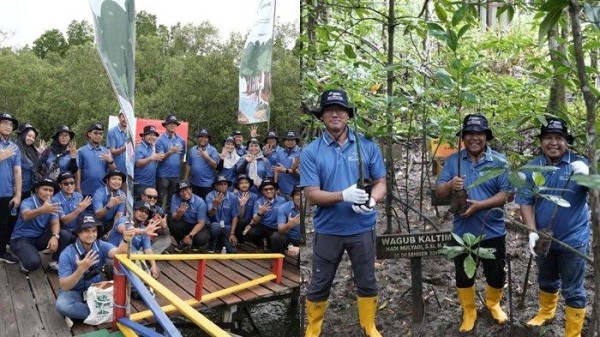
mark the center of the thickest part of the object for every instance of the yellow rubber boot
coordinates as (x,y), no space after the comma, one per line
(493,296)
(548,302)
(575,318)
(367,307)
(466,297)
(315,312)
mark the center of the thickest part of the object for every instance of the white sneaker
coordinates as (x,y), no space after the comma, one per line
(53,266)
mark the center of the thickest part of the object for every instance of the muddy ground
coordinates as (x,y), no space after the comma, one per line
(442,310)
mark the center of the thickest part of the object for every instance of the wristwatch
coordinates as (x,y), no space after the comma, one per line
(56,236)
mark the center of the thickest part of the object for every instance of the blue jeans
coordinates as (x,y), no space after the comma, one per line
(564,270)
(70,304)
(219,238)
(327,254)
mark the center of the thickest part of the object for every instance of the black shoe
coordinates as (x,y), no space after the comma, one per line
(23,270)
(182,247)
(8,258)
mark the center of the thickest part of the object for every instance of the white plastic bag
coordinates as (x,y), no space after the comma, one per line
(99,298)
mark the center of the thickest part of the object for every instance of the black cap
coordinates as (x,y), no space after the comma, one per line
(171,119)
(220,179)
(228,139)
(297,189)
(89,221)
(114,173)
(203,132)
(7,116)
(65,175)
(183,184)
(243,177)
(253,140)
(266,183)
(236,133)
(96,126)
(556,125)
(63,128)
(141,204)
(23,128)
(47,181)
(476,123)
(149,129)
(292,135)
(272,134)
(334,97)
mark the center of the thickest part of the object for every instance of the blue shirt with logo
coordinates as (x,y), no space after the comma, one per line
(286,157)
(26,174)
(196,211)
(283,214)
(269,218)
(145,175)
(201,174)
(7,176)
(170,167)
(35,227)
(116,139)
(249,208)
(333,168)
(64,161)
(67,262)
(138,242)
(571,225)
(486,221)
(102,197)
(226,211)
(92,169)
(273,156)
(68,205)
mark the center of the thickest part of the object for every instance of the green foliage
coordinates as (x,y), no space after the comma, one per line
(184,69)
(468,244)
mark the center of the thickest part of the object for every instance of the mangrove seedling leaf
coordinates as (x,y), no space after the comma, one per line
(469,265)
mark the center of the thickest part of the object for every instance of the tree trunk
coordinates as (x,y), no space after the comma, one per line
(557,101)
(594,197)
(390,176)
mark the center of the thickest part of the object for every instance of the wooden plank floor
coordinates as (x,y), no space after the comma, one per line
(27,303)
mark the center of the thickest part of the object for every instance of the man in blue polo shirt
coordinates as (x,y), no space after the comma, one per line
(94,161)
(202,162)
(72,204)
(146,161)
(116,141)
(345,219)
(559,268)
(169,169)
(272,147)
(481,217)
(246,199)
(81,264)
(10,189)
(288,219)
(287,161)
(109,200)
(162,240)
(38,228)
(223,214)
(188,218)
(264,220)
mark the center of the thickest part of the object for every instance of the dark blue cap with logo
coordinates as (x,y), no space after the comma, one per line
(334,97)
(476,123)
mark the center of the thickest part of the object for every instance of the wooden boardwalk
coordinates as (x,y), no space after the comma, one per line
(27,303)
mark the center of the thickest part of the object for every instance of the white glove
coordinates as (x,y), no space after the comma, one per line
(355,195)
(580,167)
(533,237)
(363,208)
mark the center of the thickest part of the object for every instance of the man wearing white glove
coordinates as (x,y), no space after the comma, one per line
(571,225)
(345,219)
(481,216)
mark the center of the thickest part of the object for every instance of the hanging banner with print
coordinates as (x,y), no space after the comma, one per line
(114,21)
(255,67)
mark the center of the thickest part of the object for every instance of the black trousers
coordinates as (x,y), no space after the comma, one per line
(492,269)
(179,229)
(7,223)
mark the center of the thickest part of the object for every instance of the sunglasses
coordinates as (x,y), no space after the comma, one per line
(151,196)
(67,183)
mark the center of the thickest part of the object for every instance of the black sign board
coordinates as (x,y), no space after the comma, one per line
(412,245)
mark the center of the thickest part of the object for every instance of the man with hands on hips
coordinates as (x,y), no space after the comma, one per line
(560,269)
(345,219)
